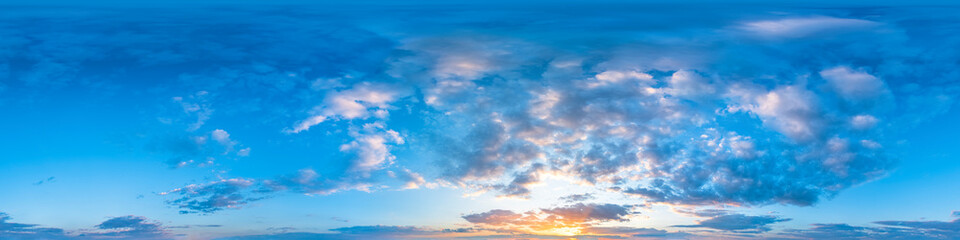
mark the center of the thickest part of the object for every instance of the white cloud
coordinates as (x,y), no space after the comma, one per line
(614,77)
(854,85)
(360,102)
(792,111)
(370,146)
(689,84)
(863,122)
(802,27)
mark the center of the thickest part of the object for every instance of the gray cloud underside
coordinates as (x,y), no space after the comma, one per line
(125,227)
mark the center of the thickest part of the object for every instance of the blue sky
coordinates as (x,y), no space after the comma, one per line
(466,120)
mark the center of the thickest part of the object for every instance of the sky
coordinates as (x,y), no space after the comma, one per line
(479,120)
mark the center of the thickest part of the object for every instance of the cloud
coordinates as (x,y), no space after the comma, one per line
(128,227)
(410,232)
(863,122)
(577,197)
(378,230)
(641,233)
(310,182)
(223,138)
(125,227)
(691,115)
(10,230)
(571,219)
(519,187)
(47,180)
(196,105)
(370,147)
(804,26)
(363,232)
(854,85)
(737,222)
(951,228)
(591,212)
(190,147)
(295,235)
(214,196)
(412,180)
(359,102)
(493,217)
(889,230)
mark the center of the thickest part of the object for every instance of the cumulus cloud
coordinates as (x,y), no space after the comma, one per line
(792,111)
(370,146)
(359,102)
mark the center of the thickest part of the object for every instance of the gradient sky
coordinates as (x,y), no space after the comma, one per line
(469,120)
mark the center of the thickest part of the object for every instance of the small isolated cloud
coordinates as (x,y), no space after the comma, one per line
(577,197)
(129,227)
(45,181)
(863,122)
(737,223)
